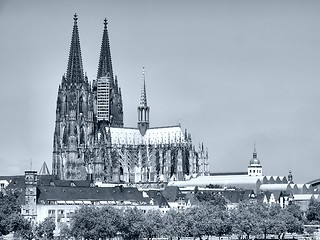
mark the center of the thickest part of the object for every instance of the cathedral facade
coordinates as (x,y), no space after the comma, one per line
(90,140)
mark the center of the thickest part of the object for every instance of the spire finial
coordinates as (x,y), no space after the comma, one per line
(255,155)
(143,99)
(144,73)
(105,22)
(75,18)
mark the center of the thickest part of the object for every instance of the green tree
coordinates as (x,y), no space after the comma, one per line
(65,231)
(132,223)
(313,212)
(295,210)
(175,224)
(285,220)
(108,222)
(46,228)
(278,227)
(245,219)
(153,224)
(212,197)
(199,222)
(221,221)
(26,229)
(84,222)
(293,224)
(10,217)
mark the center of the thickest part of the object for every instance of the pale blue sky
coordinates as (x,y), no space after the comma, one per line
(233,73)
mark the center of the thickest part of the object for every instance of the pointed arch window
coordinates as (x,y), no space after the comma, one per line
(66,105)
(65,137)
(82,136)
(81,105)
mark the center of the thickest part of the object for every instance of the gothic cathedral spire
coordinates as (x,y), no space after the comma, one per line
(91,143)
(106,90)
(143,98)
(74,117)
(143,109)
(75,68)
(105,63)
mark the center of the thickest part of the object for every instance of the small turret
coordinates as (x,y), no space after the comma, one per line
(290,177)
(255,168)
(143,109)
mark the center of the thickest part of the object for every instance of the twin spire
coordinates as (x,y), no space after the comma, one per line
(75,67)
(105,63)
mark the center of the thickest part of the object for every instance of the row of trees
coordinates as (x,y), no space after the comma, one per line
(207,219)
(11,219)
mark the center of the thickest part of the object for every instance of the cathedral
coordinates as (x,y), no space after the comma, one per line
(90,139)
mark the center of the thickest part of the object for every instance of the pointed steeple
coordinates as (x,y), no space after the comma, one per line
(75,68)
(143,109)
(105,64)
(254,168)
(255,154)
(44,169)
(254,160)
(143,98)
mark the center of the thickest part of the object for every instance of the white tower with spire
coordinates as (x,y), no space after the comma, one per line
(255,168)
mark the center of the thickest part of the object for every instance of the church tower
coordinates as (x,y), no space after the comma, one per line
(255,168)
(143,109)
(105,88)
(90,141)
(74,127)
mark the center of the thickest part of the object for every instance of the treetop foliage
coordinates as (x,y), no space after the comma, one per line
(249,218)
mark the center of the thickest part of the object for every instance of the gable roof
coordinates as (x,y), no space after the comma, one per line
(172,193)
(119,193)
(193,200)
(158,198)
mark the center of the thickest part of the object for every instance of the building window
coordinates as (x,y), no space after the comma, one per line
(60,213)
(70,213)
(51,213)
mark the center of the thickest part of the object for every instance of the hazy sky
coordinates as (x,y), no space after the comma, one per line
(233,73)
